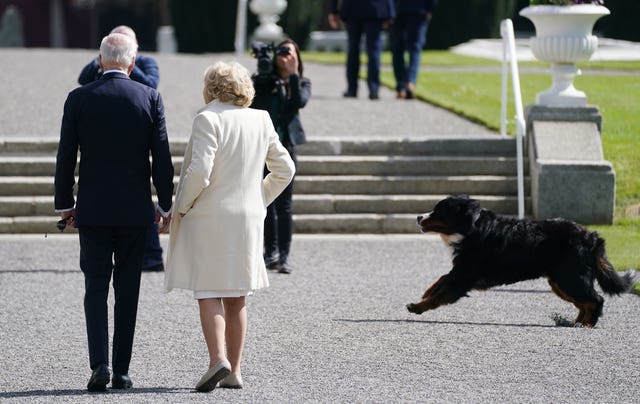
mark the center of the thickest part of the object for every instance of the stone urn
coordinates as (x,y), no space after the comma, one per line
(563,37)
(268,12)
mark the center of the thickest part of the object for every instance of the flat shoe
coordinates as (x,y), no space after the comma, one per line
(232,381)
(218,372)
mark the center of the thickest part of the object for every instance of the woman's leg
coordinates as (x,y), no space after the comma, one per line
(213,328)
(235,315)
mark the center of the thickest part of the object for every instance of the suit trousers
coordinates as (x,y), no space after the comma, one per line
(372,30)
(408,34)
(107,251)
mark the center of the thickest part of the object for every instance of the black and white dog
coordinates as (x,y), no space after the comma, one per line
(491,250)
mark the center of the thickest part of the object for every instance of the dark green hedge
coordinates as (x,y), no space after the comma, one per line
(209,26)
(457,21)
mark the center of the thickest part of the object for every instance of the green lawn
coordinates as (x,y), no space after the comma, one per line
(476,95)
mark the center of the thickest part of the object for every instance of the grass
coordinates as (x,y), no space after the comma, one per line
(475,94)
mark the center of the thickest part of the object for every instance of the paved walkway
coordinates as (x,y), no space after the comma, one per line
(334,331)
(35,83)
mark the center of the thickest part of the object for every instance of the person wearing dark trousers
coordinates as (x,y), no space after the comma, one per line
(115,123)
(408,33)
(282,94)
(146,72)
(367,17)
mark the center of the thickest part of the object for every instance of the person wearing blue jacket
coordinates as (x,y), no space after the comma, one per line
(367,17)
(409,33)
(145,71)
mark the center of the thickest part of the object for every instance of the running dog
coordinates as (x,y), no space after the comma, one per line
(491,250)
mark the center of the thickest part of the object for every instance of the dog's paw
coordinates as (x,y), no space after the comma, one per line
(413,308)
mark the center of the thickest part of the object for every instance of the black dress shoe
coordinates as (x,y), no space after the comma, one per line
(272,262)
(121,382)
(99,379)
(349,94)
(285,268)
(374,96)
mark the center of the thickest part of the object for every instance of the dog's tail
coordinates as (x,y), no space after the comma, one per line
(610,281)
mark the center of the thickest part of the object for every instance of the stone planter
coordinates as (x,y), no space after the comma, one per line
(268,12)
(563,37)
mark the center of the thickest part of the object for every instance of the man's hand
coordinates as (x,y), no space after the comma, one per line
(163,222)
(69,216)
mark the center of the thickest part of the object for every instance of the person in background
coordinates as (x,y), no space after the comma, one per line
(216,240)
(146,72)
(409,33)
(368,17)
(282,95)
(116,123)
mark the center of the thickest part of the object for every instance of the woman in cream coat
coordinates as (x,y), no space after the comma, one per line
(216,241)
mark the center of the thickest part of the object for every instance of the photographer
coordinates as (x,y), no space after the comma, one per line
(281,90)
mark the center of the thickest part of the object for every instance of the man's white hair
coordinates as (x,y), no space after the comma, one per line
(118,48)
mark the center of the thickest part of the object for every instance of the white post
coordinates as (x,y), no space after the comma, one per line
(241,28)
(503,95)
(268,12)
(506,30)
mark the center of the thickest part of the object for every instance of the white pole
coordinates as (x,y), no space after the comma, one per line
(241,28)
(520,123)
(503,97)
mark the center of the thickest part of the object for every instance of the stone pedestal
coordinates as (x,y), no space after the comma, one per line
(569,176)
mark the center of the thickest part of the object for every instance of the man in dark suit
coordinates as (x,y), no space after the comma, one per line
(368,17)
(115,122)
(408,34)
(144,71)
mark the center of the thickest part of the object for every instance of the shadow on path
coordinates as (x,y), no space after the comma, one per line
(76,392)
(358,321)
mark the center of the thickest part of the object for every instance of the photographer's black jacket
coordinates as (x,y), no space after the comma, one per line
(283,108)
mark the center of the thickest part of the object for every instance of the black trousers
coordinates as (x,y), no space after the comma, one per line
(107,251)
(278,223)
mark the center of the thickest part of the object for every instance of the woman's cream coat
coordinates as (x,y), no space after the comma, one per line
(217,245)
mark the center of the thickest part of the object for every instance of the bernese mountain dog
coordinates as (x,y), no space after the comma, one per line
(491,250)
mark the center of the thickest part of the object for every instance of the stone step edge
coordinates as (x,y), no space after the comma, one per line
(333,145)
(312,223)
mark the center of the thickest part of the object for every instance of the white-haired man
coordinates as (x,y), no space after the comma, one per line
(116,122)
(145,71)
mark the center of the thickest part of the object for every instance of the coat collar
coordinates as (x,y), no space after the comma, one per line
(114,74)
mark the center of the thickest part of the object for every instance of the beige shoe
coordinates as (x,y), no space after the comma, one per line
(232,381)
(218,372)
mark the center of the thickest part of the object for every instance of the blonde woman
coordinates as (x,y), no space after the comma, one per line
(216,242)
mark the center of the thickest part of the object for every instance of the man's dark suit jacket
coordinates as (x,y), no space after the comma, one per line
(421,7)
(364,9)
(114,122)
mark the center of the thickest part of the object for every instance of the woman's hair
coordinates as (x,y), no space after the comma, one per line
(228,83)
(118,48)
(297,48)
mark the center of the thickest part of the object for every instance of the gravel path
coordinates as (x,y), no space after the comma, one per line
(334,331)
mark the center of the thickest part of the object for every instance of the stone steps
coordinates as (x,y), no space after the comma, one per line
(343,185)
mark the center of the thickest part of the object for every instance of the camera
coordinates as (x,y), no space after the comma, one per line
(265,54)
(62,223)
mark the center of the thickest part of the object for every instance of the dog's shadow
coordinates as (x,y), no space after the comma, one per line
(560,322)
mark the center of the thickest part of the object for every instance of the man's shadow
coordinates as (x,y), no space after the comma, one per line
(82,392)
